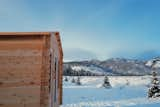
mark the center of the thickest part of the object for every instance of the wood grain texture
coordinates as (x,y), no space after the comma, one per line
(21,105)
(26,76)
(19,95)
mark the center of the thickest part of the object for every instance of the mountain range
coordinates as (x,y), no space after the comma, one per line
(113,66)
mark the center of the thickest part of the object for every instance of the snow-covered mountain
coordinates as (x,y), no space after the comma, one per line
(85,68)
(155,61)
(113,66)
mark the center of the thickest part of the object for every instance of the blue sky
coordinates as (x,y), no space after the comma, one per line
(90,29)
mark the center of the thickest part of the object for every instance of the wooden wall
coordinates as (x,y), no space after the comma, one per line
(20,71)
(30,70)
(60,67)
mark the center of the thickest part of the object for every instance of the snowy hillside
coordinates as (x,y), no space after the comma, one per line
(130,91)
(113,66)
(91,68)
(85,68)
(156,60)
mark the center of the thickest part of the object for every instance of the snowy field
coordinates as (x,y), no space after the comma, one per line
(130,91)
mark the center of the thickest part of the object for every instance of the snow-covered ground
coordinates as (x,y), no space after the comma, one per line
(126,91)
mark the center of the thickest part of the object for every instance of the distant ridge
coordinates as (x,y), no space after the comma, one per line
(112,66)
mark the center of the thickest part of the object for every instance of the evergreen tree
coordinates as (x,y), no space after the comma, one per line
(66,79)
(106,83)
(78,81)
(154,90)
(127,82)
(73,80)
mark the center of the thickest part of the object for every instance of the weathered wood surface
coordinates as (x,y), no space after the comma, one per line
(20,72)
(28,77)
(25,96)
(16,44)
(45,73)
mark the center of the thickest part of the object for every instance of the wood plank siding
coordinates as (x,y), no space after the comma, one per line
(30,69)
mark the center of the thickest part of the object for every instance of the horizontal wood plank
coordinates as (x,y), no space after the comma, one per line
(17,95)
(21,52)
(20,60)
(36,104)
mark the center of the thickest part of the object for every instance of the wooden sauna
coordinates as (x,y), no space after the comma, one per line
(30,69)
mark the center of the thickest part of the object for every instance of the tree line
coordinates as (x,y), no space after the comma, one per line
(70,72)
